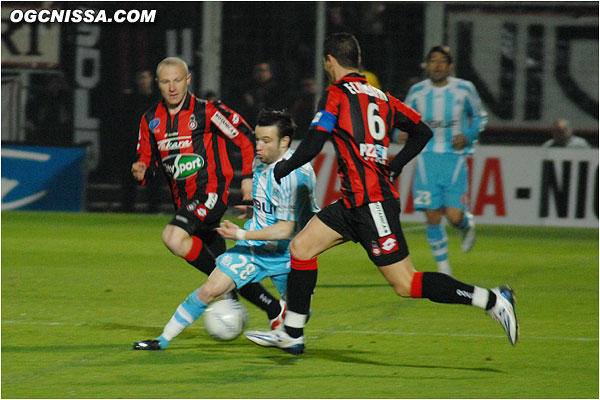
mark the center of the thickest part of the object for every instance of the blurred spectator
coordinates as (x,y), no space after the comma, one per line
(371,78)
(134,103)
(342,19)
(209,95)
(373,18)
(562,136)
(49,113)
(303,107)
(262,91)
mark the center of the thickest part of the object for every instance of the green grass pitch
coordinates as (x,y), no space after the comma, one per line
(78,289)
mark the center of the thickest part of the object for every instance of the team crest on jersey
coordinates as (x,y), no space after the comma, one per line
(201,212)
(192,206)
(154,124)
(235,119)
(375,249)
(193,124)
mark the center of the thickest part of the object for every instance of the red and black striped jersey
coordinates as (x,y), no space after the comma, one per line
(361,119)
(191,147)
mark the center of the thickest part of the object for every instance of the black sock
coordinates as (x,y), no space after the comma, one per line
(442,288)
(212,247)
(256,294)
(301,284)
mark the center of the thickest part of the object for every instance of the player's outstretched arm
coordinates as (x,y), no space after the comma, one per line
(247,189)
(307,150)
(278,231)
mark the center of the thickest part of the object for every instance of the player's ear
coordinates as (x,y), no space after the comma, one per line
(285,142)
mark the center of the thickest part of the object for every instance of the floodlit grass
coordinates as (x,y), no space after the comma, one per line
(78,289)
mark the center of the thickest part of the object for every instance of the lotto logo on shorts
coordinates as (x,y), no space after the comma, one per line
(201,212)
(388,244)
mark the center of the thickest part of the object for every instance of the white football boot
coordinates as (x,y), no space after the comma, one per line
(504,312)
(277,338)
(468,234)
(277,322)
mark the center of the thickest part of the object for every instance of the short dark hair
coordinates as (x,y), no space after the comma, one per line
(344,47)
(280,118)
(443,50)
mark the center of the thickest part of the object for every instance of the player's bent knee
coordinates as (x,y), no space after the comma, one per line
(454,216)
(402,289)
(297,251)
(207,293)
(172,241)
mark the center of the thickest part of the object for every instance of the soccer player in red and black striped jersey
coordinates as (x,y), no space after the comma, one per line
(187,138)
(360,119)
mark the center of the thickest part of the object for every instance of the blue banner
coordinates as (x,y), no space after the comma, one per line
(42,178)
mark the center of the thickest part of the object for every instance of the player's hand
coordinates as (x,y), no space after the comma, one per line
(459,142)
(247,189)
(228,230)
(245,211)
(138,169)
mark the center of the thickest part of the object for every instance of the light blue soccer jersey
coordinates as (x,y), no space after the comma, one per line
(449,110)
(292,200)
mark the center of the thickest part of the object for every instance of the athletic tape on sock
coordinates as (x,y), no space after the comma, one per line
(294,320)
(480,297)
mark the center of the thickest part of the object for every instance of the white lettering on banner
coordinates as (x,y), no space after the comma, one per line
(180,43)
(87,76)
(29,45)
(509,185)
(545,65)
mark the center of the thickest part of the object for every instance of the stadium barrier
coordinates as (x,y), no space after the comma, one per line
(43,178)
(509,185)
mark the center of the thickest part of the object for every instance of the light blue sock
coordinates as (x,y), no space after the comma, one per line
(438,241)
(187,312)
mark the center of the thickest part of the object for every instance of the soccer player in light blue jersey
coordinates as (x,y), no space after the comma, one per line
(452,109)
(261,251)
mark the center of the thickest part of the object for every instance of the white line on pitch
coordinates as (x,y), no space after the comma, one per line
(396,333)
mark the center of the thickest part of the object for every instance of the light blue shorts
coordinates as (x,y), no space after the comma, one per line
(246,264)
(440,181)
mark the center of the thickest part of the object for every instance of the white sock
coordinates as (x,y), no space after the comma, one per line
(480,297)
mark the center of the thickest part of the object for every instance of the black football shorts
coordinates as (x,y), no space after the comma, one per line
(376,226)
(200,215)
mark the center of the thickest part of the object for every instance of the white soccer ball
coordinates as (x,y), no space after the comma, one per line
(225,319)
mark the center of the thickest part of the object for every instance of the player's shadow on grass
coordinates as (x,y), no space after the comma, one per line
(351,356)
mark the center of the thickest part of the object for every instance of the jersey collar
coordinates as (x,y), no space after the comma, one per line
(189,98)
(353,76)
